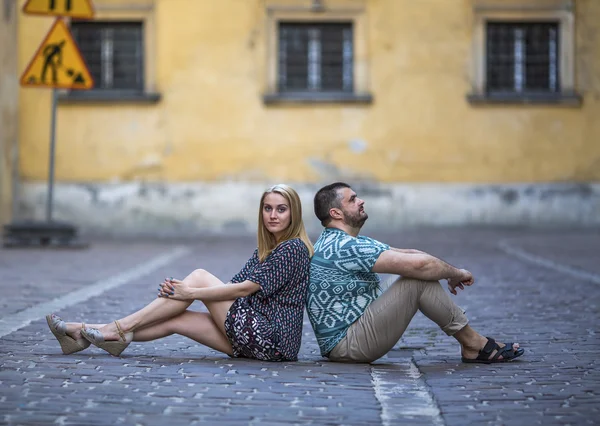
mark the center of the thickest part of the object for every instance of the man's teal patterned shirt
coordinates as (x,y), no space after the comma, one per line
(341,284)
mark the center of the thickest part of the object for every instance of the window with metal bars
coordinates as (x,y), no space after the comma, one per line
(522,57)
(315,57)
(113,52)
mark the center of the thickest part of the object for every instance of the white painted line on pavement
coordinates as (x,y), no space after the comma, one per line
(532,258)
(13,322)
(411,397)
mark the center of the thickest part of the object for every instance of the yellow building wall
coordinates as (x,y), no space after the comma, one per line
(211,123)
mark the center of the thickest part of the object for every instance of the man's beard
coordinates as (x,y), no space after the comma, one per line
(355,221)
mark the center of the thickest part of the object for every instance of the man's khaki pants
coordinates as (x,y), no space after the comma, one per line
(385,320)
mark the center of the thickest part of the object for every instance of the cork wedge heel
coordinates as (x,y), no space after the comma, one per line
(59,329)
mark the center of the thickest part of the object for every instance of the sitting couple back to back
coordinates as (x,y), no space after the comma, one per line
(258,313)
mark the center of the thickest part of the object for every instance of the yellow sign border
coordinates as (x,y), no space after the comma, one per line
(24,83)
(71,15)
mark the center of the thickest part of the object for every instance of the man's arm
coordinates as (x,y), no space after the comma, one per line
(407,251)
(422,266)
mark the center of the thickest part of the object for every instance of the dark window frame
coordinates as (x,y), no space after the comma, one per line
(495,93)
(522,57)
(108,52)
(102,56)
(315,57)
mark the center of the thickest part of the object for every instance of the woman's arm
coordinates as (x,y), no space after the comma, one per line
(179,290)
(225,292)
(284,260)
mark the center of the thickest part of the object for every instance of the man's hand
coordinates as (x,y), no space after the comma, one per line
(465,279)
(175,289)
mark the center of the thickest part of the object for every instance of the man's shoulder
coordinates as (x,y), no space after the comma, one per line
(371,241)
(337,250)
(335,236)
(330,241)
(339,238)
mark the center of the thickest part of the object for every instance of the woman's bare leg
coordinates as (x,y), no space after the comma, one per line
(218,310)
(198,326)
(162,309)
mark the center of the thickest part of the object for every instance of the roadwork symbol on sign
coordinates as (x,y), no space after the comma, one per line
(58,62)
(71,8)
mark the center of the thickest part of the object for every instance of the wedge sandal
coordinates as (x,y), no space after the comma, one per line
(59,328)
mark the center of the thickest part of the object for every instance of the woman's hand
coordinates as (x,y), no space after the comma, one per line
(175,289)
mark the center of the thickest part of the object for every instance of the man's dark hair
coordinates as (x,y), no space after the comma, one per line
(327,198)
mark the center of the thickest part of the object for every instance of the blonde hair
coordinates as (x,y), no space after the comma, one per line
(266,240)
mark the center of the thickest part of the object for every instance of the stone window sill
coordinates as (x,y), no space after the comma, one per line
(565,99)
(108,96)
(308,98)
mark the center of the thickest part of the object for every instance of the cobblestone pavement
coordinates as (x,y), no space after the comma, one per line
(538,287)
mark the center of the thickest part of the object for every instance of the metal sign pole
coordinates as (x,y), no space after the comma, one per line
(51,163)
(58,41)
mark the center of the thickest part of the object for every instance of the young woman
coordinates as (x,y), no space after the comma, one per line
(256,315)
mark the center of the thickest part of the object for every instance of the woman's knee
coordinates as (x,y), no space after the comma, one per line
(198,278)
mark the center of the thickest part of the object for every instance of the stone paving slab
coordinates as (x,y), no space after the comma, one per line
(32,276)
(175,381)
(553,315)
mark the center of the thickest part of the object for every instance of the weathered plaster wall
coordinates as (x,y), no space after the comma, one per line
(188,209)
(212,127)
(8,105)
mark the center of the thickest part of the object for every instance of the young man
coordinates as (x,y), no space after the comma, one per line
(353,322)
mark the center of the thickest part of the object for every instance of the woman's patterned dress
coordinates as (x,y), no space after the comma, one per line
(267,325)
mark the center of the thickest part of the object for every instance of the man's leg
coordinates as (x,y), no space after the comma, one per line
(386,319)
(435,302)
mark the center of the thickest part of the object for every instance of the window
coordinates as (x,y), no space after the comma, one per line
(317,54)
(113,52)
(524,52)
(315,57)
(522,57)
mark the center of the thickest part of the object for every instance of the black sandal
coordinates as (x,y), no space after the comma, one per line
(507,353)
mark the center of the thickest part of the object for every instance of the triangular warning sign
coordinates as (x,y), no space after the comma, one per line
(71,8)
(58,62)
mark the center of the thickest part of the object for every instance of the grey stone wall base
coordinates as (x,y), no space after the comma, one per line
(189,209)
